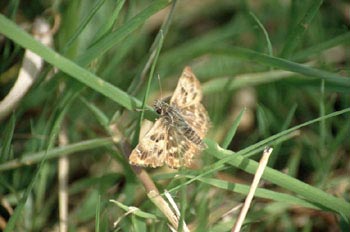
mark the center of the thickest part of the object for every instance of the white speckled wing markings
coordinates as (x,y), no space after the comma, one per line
(177,135)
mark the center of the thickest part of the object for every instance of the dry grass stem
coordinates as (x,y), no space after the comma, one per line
(63,174)
(259,172)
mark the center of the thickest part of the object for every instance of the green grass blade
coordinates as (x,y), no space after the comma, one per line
(316,49)
(250,79)
(197,46)
(52,138)
(322,125)
(260,192)
(97,217)
(309,192)
(183,205)
(267,141)
(140,78)
(294,38)
(239,160)
(99,114)
(115,37)
(267,38)
(83,24)
(134,210)
(151,74)
(281,179)
(231,133)
(285,125)
(220,164)
(33,158)
(108,26)
(7,139)
(283,64)
(15,33)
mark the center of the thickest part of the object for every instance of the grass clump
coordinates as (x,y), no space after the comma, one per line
(272,74)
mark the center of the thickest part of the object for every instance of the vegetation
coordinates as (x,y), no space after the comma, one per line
(273,73)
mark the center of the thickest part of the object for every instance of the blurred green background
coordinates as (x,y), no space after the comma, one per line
(279,63)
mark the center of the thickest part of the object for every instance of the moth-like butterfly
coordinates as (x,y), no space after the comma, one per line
(176,137)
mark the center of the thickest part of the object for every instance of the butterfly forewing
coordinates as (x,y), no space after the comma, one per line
(187,98)
(188,90)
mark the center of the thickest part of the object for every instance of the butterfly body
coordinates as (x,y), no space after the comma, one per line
(176,137)
(174,118)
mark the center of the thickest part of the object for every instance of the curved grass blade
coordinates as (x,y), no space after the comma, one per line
(34,158)
(284,64)
(267,38)
(260,192)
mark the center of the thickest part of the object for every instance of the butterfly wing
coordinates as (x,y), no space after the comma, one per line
(188,90)
(187,98)
(180,150)
(197,118)
(151,150)
(163,144)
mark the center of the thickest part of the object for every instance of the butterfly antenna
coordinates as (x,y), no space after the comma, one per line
(160,87)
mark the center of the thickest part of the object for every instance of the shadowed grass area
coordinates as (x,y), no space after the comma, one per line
(111,59)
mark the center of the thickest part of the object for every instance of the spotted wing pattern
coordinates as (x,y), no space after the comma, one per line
(197,118)
(187,98)
(152,149)
(180,150)
(173,139)
(188,90)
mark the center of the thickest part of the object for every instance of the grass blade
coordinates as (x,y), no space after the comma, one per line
(231,133)
(284,64)
(33,158)
(6,143)
(151,74)
(115,37)
(316,49)
(268,42)
(294,38)
(83,24)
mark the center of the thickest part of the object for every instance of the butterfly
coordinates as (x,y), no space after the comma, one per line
(177,135)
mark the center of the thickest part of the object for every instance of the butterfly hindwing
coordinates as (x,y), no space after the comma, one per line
(180,150)
(197,118)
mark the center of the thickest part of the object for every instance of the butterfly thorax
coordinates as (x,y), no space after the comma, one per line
(170,113)
(174,118)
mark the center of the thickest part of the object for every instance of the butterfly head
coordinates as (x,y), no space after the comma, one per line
(159,106)
(162,106)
